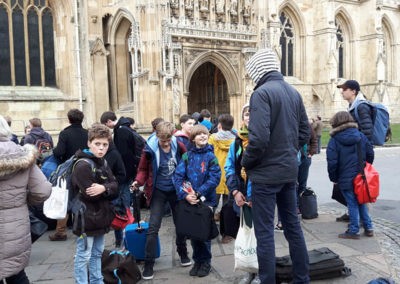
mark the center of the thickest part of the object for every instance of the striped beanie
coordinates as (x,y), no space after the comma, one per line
(262,62)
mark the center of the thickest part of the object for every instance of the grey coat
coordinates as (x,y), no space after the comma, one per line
(21,183)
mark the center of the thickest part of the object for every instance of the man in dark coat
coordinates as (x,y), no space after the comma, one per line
(73,138)
(278,127)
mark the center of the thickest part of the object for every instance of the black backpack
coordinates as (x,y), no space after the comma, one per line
(119,267)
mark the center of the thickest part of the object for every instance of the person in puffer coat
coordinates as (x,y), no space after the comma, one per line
(200,167)
(343,166)
(22,183)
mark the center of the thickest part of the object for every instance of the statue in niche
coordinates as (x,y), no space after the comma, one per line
(220,6)
(203,5)
(189,4)
(247,8)
(234,7)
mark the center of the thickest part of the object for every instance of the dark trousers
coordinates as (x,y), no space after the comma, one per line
(158,201)
(19,278)
(201,251)
(302,175)
(265,197)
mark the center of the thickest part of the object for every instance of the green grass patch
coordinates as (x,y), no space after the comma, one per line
(395,135)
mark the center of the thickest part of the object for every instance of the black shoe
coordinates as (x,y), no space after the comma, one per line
(195,269)
(369,233)
(148,272)
(344,218)
(185,260)
(204,269)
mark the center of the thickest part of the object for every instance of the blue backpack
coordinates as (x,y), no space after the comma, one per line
(380,121)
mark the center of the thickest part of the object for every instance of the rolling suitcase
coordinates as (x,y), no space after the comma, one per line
(135,235)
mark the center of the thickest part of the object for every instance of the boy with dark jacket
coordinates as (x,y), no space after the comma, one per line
(343,166)
(95,185)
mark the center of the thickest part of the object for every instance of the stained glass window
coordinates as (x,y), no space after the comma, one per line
(286,43)
(5,67)
(340,49)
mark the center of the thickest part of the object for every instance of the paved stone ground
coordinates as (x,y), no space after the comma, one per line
(368,258)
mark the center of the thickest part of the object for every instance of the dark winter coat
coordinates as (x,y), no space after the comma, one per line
(21,184)
(200,167)
(35,134)
(115,162)
(70,140)
(124,140)
(342,156)
(150,161)
(364,111)
(278,128)
(99,210)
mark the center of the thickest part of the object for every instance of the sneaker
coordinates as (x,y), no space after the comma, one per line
(227,239)
(369,233)
(256,280)
(148,272)
(248,277)
(278,228)
(57,237)
(344,218)
(204,269)
(185,260)
(195,269)
(348,235)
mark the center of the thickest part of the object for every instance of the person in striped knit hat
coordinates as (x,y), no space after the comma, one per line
(278,127)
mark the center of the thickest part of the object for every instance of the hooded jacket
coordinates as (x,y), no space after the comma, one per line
(277,129)
(21,184)
(342,157)
(365,124)
(150,162)
(35,134)
(200,167)
(221,142)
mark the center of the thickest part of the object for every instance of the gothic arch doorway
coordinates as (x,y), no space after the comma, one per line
(208,89)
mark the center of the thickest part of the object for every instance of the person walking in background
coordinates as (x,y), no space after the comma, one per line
(94,183)
(278,127)
(71,139)
(343,166)
(318,126)
(22,183)
(36,132)
(161,154)
(221,142)
(200,167)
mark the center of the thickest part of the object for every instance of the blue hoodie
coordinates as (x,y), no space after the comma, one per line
(200,167)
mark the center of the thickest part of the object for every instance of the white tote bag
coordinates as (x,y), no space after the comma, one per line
(55,207)
(245,248)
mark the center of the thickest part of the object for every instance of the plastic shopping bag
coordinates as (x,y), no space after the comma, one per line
(55,207)
(245,250)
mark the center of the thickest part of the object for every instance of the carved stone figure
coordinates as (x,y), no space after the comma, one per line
(234,7)
(220,6)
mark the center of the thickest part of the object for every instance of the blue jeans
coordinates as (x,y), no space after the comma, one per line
(201,251)
(302,175)
(90,256)
(158,201)
(265,197)
(355,212)
(125,193)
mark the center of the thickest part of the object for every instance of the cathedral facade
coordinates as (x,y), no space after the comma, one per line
(160,58)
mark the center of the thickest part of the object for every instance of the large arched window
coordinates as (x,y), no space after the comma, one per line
(286,42)
(387,50)
(340,49)
(26,43)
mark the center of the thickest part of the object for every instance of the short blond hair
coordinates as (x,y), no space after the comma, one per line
(198,129)
(165,130)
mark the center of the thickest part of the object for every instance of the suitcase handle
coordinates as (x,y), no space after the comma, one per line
(136,209)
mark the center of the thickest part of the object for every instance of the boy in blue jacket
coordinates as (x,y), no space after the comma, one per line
(343,166)
(200,167)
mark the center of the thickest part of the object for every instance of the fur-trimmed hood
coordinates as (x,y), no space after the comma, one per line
(14,158)
(343,127)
